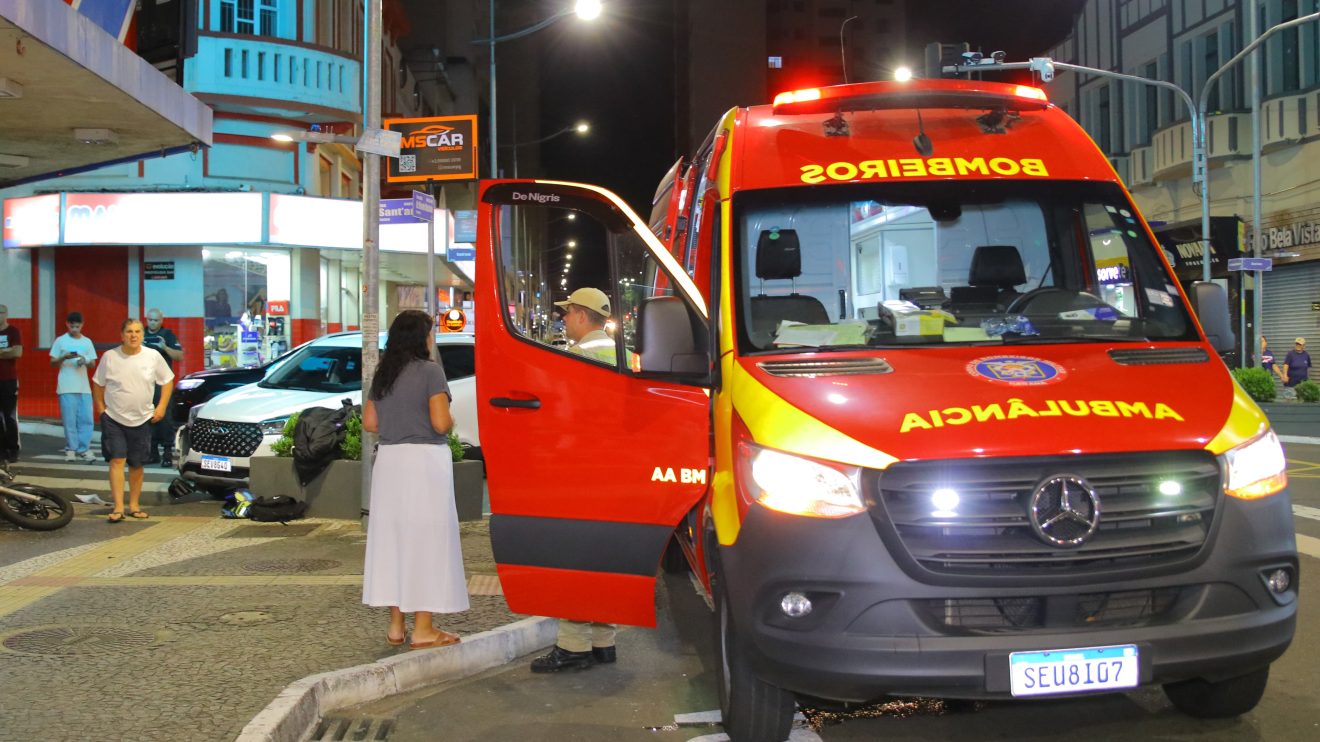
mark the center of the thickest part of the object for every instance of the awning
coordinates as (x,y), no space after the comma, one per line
(63,74)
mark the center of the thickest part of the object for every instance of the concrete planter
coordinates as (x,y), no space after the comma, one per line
(467,489)
(1294,418)
(336,493)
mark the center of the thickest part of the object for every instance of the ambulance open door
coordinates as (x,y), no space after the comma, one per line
(593,454)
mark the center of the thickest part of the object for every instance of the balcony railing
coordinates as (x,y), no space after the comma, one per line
(1139,165)
(267,68)
(1288,119)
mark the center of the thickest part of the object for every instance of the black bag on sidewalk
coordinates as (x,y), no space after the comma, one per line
(317,437)
(277,509)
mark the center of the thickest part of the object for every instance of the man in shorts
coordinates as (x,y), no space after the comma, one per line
(122,392)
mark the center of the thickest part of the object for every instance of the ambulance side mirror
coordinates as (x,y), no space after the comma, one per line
(1210,302)
(670,340)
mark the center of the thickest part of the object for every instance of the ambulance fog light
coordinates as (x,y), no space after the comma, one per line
(945,500)
(1278,581)
(795,605)
(1170,488)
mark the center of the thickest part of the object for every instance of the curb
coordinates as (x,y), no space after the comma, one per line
(297,709)
(49,429)
(1303,439)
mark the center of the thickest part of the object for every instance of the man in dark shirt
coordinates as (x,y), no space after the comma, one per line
(1296,364)
(11,349)
(167,343)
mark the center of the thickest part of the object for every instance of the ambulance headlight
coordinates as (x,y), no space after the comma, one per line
(1256,468)
(799,486)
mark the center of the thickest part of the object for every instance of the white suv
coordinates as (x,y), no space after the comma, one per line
(228,429)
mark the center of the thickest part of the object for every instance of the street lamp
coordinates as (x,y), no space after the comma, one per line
(581,128)
(587,10)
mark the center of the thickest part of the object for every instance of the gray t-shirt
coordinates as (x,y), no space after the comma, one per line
(404,415)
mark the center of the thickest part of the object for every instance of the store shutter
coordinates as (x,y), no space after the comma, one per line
(1286,305)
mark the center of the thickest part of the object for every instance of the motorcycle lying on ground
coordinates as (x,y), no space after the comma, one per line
(32,507)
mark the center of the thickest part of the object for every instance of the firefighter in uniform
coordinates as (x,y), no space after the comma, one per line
(581,644)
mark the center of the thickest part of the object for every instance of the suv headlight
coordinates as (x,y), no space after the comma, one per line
(1256,468)
(186,384)
(273,426)
(799,486)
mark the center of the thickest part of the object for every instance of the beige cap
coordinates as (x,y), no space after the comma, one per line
(589,298)
(1300,341)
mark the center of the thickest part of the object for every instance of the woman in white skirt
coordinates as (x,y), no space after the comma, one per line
(414,560)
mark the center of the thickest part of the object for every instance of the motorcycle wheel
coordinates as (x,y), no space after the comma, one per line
(52,511)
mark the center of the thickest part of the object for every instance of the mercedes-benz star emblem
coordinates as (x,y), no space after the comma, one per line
(1064,511)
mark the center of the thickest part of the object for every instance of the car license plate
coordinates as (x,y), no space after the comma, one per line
(216,463)
(1073,670)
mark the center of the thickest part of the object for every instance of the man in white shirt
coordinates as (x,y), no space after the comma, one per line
(121,395)
(74,353)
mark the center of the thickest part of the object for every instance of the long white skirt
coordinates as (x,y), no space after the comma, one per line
(414,558)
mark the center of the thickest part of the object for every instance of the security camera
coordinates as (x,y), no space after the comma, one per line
(999,57)
(972,57)
(1043,66)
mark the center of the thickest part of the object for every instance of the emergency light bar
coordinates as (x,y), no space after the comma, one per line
(874,96)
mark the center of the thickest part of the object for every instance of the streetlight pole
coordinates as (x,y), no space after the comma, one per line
(587,10)
(370,231)
(582,128)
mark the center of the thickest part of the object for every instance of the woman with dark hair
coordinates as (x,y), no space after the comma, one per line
(414,560)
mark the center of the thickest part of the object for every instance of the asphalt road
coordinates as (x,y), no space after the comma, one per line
(670,671)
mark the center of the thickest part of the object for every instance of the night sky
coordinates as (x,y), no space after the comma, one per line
(620,76)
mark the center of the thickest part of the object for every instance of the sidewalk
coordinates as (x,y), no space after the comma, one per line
(186,626)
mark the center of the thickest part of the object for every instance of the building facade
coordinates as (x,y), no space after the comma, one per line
(1147,134)
(251,246)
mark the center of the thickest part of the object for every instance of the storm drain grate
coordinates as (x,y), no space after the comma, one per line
(484,585)
(356,728)
(66,641)
(272,531)
(284,566)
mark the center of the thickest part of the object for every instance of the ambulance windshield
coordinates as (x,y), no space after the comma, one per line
(938,263)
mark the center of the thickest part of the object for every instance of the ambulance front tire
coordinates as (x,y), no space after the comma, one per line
(752,709)
(1223,699)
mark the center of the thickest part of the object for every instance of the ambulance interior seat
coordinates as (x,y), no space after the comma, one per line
(994,275)
(779,258)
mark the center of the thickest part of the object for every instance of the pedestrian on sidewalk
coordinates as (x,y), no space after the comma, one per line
(581,644)
(1297,364)
(74,353)
(414,561)
(11,349)
(164,341)
(1267,359)
(122,391)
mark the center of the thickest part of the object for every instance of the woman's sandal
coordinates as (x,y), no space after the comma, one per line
(396,642)
(443,640)
(113,519)
(140,515)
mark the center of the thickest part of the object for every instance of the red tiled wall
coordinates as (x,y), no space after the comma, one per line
(334,327)
(93,281)
(190,331)
(36,377)
(303,330)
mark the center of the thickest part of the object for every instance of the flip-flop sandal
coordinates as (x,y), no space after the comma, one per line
(112,519)
(140,515)
(444,640)
(395,642)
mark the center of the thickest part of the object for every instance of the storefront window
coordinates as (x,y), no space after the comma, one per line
(246,304)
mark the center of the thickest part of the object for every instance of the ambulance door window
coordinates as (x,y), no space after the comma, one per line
(640,279)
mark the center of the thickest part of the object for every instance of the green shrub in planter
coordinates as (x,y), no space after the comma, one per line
(1308,391)
(455,447)
(284,446)
(1257,382)
(351,448)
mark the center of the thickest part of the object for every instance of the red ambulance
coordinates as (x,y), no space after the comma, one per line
(903,375)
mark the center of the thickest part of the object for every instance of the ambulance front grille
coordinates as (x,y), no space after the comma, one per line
(830,367)
(990,531)
(1124,608)
(1158,356)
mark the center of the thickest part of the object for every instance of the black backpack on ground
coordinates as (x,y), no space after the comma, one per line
(317,437)
(277,509)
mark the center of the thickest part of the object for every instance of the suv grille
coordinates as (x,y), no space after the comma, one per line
(224,438)
(990,530)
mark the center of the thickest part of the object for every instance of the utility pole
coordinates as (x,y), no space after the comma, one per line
(370,231)
(1257,298)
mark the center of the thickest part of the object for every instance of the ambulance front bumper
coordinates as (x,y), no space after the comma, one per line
(880,626)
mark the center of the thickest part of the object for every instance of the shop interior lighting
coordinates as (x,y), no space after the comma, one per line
(13,161)
(10,89)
